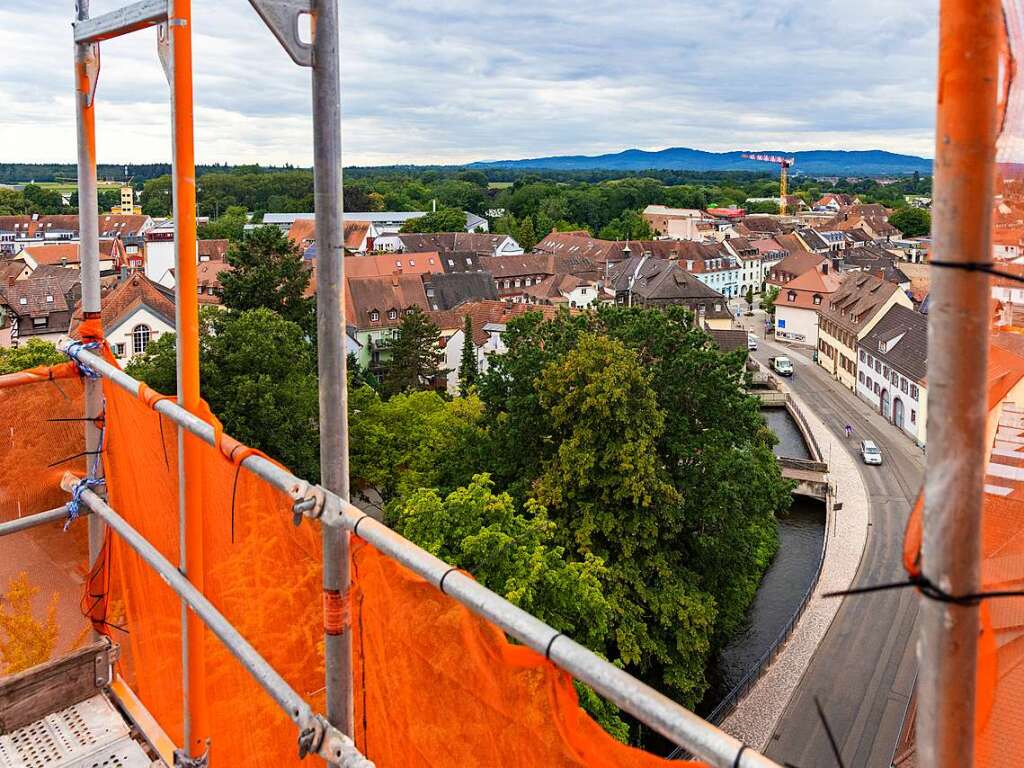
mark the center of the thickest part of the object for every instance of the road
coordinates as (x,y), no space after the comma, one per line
(863,671)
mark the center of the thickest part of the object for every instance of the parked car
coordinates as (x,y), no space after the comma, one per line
(782,366)
(752,343)
(869,452)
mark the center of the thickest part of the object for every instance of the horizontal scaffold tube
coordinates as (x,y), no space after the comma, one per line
(654,709)
(31,521)
(335,746)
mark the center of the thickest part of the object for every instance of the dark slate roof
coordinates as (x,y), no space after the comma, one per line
(878,261)
(450,290)
(442,242)
(814,241)
(859,298)
(463,261)
(664,281)
(909,355)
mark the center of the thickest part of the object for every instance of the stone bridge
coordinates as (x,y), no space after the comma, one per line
(810,476)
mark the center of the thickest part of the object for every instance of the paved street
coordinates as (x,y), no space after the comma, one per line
(863,671)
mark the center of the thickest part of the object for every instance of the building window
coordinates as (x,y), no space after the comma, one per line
(817,299)
(374,316)
(392,314)
(410,311)
(791,296)
(913,416)
(913,391)
(860,376)
(119,350)
(885,371)
(878,366)
(23,301)
(904,386)
(38,322)
(878,389)
(140,339)
(49,299)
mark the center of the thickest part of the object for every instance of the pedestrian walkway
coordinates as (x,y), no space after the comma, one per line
(754,720)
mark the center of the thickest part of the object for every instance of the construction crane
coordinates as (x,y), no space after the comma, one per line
(784,163)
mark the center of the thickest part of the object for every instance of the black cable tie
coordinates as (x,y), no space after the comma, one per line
(72,458)
(234,489)
(547,651)
(736,762)
(443,577)
(828,732)
(355,532)
(974,266)
(930,590)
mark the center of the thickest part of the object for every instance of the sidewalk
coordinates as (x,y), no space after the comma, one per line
(755,718)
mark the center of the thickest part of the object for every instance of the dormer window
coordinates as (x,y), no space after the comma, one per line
(23,301)
(409,311)
(412,262)
(817,299)
(49,299)
(791,296)
(392,314)
(374,316)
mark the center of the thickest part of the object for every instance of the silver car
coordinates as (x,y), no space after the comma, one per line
(870,453)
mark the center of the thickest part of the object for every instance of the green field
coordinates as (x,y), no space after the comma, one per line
(67,186)
(499,184)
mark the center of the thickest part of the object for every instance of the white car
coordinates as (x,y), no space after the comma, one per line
(752,343)
(869,452)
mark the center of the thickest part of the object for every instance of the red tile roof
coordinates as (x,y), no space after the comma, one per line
(380,265)
(382,294)
(486,312)
(125,298)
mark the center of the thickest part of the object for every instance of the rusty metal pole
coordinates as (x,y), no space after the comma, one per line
(958,324)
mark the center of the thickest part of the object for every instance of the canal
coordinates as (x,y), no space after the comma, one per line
(801,535)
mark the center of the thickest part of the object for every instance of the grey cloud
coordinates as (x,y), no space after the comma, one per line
(458,80)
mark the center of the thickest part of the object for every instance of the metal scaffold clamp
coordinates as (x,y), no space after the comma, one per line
(308,501)
(182,760)
(322,739)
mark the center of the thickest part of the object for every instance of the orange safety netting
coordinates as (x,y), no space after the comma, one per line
(435,686)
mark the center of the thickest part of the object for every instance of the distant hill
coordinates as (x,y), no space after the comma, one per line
(820,162)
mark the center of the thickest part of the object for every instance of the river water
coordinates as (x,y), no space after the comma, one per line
(801,533)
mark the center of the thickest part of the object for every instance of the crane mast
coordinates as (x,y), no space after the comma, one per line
(784,164)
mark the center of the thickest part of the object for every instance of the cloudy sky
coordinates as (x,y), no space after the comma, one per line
(452,81)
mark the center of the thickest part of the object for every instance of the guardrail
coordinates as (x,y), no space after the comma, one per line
(805,464)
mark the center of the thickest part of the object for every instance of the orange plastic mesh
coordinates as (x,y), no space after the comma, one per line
(435,686)
(36,450)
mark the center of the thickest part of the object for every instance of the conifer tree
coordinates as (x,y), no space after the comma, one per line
(468,369)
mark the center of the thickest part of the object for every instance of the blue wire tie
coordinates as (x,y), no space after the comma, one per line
(72,351)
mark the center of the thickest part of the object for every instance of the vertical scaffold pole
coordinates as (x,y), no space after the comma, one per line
(196,722)
(86,71)
(332,353)
(958,324)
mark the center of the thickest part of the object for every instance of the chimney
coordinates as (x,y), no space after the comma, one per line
(63,261)
(11,280)
(824,268)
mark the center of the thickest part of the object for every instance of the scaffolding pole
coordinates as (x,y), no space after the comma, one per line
(179,64)
(330,241)
(31,521)
(958,324)
(87,65)
(663,715)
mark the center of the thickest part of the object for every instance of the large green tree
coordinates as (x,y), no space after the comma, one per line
(912,222)
(267,271)
(28,355)
(258,374)
(441,220)
(414,357)
(517,555)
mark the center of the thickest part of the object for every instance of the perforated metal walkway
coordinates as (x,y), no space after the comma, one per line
(90,734)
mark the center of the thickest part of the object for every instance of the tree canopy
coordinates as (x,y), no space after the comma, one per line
(267,271)
(912,222)
(415,357)
(28,355)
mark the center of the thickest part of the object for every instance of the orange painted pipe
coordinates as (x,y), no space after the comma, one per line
(180,25)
